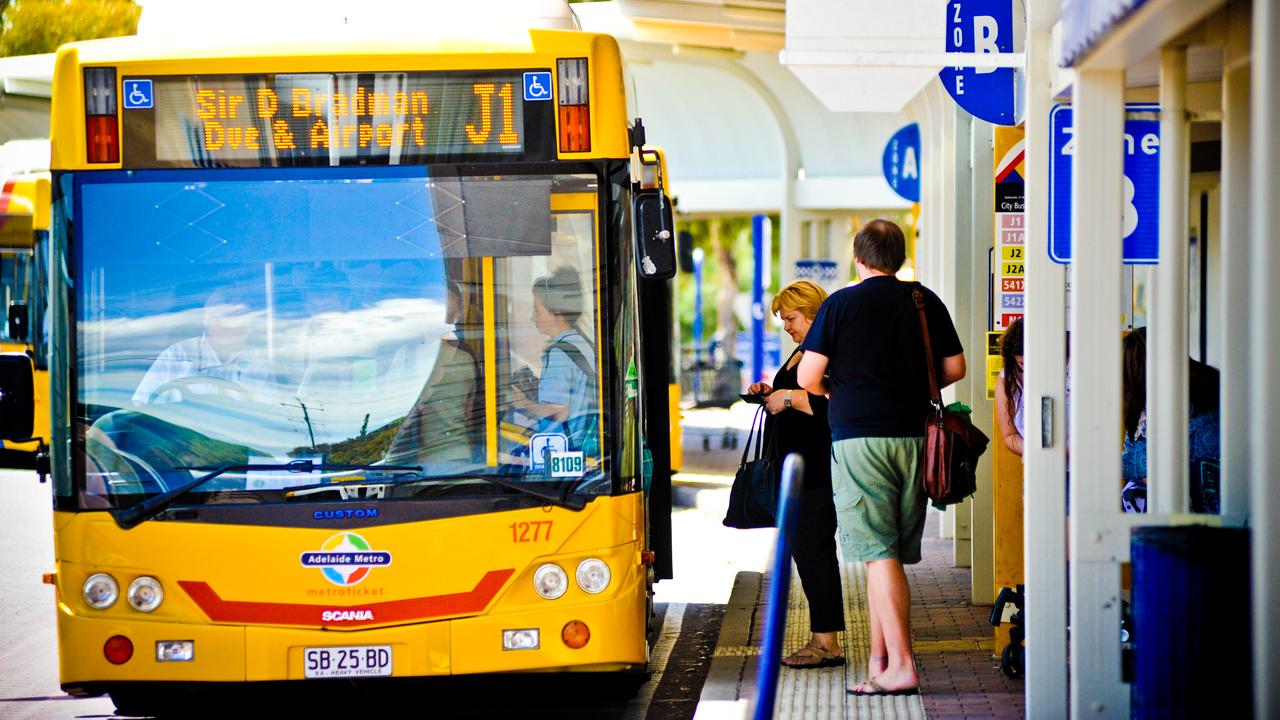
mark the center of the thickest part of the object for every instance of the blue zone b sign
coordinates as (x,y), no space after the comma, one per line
(1141,188)
(982,26)
(901,162)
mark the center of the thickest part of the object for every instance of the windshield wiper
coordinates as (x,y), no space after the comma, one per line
(561,499)
(130,517)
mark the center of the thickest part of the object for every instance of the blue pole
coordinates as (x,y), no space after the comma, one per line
(697,306)
(775,617)
(758,244)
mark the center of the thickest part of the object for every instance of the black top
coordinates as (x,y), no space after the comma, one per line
(802,433)
(870,333)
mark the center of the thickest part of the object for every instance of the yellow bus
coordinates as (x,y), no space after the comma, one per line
(347,371)
(24,246)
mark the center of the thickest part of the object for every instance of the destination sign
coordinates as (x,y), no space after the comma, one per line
(329,118)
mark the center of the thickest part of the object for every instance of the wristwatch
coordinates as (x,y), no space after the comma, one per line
(786,400)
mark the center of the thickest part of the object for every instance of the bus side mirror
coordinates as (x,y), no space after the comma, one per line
(18,321)
(655,235)
(17,396)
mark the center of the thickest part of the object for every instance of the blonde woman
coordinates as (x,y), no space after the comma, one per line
(799,420)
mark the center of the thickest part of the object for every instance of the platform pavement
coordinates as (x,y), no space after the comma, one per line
(959,672)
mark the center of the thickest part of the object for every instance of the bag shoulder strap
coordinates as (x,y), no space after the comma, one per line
(917,294)
(575,355)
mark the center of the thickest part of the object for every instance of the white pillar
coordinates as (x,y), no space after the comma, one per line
(956,248)
(1167,414)
(1264,385)
(1234,310)
(1044,456)
(1096,232)
(972,326)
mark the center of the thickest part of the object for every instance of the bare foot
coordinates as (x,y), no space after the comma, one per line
(876,665)
(897,680)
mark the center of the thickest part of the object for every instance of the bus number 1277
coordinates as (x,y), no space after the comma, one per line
(530,531)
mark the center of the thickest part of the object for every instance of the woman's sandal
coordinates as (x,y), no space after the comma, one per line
(812,656)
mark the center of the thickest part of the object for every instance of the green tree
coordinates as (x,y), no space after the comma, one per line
(29,27)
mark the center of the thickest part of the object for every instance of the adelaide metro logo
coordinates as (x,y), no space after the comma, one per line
(345,559)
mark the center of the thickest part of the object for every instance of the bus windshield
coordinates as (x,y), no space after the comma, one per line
(357,316)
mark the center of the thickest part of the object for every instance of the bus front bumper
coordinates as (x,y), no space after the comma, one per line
(463,646)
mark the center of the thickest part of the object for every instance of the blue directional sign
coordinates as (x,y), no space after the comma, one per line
(137,95)
(537,86)
(983,26)
(1141,183)
(902,162)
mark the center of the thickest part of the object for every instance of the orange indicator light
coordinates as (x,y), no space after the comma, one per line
(576,634)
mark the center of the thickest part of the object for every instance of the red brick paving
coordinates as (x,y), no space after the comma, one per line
(955,684)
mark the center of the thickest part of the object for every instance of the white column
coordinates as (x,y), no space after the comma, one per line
(956,249)
(1264,385)
(1167,414)
(1234,310)
(972,327)
(1044,456)
(1096,232)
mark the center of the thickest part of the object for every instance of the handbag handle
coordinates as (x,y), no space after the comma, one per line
(755,422)
(935,395)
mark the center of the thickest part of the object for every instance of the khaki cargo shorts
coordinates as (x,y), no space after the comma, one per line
(879,496)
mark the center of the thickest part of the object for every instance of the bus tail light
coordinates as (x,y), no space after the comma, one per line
(118,649)
(103,127)
(575,105)
(575,634)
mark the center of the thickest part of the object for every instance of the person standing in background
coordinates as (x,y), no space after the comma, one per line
(866,349)
(1009,406)
(798,423)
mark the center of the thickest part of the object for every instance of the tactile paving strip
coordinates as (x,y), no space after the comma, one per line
(820,693)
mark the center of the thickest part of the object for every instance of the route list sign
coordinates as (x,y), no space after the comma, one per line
(311,118)
(1008,265)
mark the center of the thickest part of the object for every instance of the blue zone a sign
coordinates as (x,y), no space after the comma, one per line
(982,26)
(1141,189)
(901,162)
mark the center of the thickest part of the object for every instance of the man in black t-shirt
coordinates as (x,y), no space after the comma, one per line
(866,352)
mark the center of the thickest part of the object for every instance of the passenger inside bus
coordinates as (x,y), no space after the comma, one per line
(566,390)
(446,423)
(218,361)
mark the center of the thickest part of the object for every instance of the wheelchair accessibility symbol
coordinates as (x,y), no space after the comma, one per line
(537,86)
(137,94)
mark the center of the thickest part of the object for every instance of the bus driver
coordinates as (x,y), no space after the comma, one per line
(567,383)
(219,352)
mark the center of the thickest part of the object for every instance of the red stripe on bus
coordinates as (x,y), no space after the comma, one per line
(410,609)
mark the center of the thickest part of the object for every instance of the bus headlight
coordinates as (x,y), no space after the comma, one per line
(593,575)
(100,591)
(145,594)
(550,581)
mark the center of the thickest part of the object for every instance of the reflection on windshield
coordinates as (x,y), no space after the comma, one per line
(251,322)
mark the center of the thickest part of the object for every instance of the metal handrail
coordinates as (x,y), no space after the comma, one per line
(775,617)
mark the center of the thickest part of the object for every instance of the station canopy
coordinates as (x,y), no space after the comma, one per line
(735,123)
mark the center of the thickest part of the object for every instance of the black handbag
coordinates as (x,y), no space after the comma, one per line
(753,500)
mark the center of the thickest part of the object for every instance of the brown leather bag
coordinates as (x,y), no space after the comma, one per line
(952,445)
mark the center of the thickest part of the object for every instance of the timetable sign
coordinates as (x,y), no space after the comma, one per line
(319,118)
